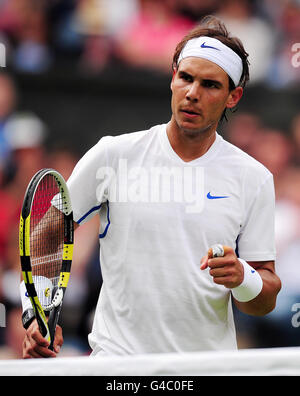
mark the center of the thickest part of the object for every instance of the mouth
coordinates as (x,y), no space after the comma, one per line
(190,113)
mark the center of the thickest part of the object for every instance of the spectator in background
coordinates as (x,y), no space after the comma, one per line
(7,107)
(295,132)
(282,324)
(257,36)
(244,130)
(98,22)
(149,39)
(288,196)
(196,10)
(9,284)
(274,150)
(26,136)
(25,24)
(284,71)
(62,157)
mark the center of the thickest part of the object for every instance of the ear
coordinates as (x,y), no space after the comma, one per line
(173,76)
(234,97)
(174,72)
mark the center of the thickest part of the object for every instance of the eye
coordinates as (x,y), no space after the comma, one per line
(186,77)
(210,84)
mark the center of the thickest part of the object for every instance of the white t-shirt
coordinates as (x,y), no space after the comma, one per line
(159,216)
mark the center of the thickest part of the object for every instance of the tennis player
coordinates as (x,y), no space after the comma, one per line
(165,196)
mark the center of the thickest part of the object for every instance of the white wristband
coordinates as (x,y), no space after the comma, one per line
(251,285)
(26,304)
(43,287)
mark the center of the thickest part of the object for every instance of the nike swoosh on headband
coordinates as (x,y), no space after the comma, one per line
(208,46)
(216,196)
(223,55)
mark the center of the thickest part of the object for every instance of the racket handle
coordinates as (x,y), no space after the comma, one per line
(42,327)
(52,322)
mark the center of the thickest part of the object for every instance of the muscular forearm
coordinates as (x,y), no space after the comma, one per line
(229,271)
(266,300)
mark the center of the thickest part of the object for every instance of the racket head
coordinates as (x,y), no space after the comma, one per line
(46,236)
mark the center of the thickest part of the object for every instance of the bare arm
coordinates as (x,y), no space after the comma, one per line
(229,272)
(266,300)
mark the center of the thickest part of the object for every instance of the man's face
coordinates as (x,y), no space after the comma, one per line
(200,93)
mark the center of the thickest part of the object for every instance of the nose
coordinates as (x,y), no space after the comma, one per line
(193,94)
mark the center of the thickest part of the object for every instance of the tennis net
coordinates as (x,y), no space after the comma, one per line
(247,362)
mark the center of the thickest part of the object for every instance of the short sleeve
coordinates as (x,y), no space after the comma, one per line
(256,241)
(87,190)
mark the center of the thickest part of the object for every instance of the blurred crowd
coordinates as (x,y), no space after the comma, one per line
(279,151)
(92,35)
(39,34)
(24,151)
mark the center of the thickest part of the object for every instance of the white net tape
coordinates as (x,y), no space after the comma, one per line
(251,362)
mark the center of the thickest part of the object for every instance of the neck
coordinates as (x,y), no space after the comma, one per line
(190,145)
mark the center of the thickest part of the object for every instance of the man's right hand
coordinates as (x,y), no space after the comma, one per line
(35,345)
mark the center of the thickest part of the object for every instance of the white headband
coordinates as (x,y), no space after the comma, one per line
(215,51)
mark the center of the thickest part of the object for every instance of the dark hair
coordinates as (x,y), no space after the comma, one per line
(211,26)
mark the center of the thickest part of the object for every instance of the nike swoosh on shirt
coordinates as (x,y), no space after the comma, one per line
(208,46)
(216,196)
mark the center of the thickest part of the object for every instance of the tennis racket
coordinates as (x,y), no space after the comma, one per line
(46,247)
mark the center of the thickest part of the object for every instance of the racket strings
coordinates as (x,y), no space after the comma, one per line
(47,230)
